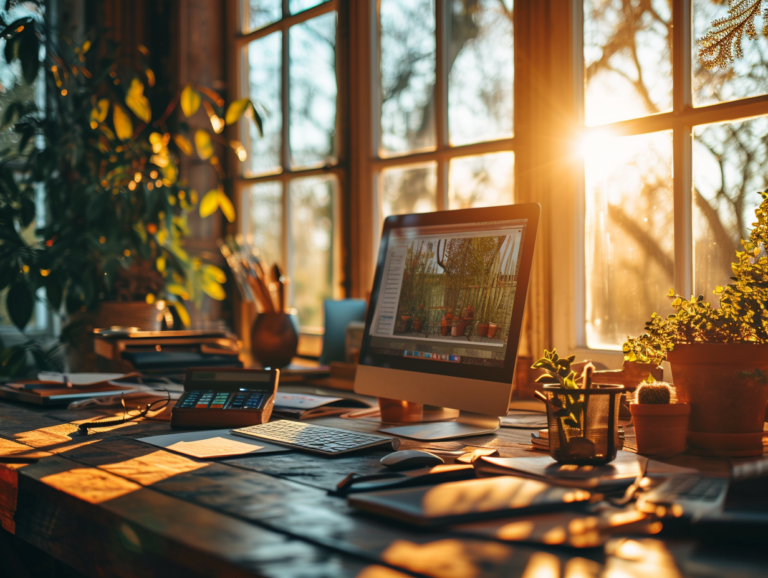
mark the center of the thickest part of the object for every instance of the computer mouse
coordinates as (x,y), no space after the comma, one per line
(410,460)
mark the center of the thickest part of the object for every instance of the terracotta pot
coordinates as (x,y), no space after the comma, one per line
(455,328)
(406,319)
(482,329)
(492,327)
(660,429)
(723,401)
(418,324)
(462,327)
(444,326)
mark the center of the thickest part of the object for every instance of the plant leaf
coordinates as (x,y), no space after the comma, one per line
(19,303)
(209,204)
(183,143)
(190,100)
(211,288)
(226,206)
(203,144)
(236,110)
(216,273)
(182,312)
(123,124)
(137,102)
(99,112)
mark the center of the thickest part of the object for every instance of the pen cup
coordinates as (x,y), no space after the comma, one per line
(274,339)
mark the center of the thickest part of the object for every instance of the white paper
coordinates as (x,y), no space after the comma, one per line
(189,437)
(78,379)
(302,401)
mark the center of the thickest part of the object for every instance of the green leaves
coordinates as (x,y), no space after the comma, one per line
(20,302)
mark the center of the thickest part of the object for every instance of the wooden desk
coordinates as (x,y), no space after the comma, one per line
(108,505)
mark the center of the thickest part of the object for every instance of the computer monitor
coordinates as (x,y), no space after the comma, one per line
(446,310)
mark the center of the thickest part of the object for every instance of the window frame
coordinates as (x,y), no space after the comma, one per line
(237,66)
(569,299)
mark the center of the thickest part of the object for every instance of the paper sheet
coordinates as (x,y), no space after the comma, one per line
(217,447)
(212,444)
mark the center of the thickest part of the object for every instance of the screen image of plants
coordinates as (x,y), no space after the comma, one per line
(459,289)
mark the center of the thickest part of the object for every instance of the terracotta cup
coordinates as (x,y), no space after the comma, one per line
(274,339)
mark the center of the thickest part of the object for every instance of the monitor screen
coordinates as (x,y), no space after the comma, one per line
(448,297)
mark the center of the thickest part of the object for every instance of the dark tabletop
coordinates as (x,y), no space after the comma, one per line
(109,503)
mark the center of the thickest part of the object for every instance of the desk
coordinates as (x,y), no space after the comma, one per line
(110,505)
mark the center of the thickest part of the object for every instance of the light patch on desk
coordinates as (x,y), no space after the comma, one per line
(91,485)
(647,557)
(55,439)
(154,467)
(12,448)
(218,447)
(445,558)
(542,565)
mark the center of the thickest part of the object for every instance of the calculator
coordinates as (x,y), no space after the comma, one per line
(225,397)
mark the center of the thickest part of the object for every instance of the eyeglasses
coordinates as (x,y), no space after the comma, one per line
(143,412)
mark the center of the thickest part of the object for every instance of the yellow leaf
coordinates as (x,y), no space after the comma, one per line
(137,102)
(217,274)
(156,139)
(190,100)
(150,77)
(225,205)
(183,315)
(183,143)
(99,112)
(236,110)
(176,289)
(213,289)
(203,144)
(160,264)
(123,124)
(209,204)
(107,131)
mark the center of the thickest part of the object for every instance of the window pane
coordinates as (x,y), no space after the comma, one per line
(480,82)
(409,189)
(629,235)
(313,90)
(747,76)
(482,181)
(260,13)
(265,224)
(264,81)
(407,75)
(728,170)
(627,59)
(297,6)
(312,208)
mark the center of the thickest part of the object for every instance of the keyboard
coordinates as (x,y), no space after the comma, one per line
(315,439)
(686,495)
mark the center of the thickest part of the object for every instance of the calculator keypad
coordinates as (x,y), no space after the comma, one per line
(221,400)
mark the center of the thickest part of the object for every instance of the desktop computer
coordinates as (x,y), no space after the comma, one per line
(446,309)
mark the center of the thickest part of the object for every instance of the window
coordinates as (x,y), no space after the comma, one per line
(289,187)
(443,119)
(672,158)
(13,87)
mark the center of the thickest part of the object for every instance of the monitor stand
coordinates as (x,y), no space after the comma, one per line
(466,425)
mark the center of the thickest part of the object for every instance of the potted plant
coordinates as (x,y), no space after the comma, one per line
(418,321)
(445,325)
(581,430)
(719,355)
(109,172)
(661,424)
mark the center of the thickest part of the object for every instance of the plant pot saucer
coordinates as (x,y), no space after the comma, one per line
(733,445)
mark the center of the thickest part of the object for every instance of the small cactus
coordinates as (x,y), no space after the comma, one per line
(656,393)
